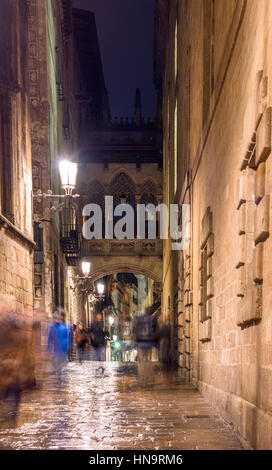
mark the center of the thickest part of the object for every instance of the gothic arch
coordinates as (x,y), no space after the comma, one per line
(148,266)
(149,192)
(126,171)
(149,184)
(122,185)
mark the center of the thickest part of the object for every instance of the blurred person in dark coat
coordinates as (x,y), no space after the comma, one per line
(81,340)
(98,336)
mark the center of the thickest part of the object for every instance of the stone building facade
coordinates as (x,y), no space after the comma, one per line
(63,94)
(122,158)
(16,234)
(54,133)
(44,90)
(212,65)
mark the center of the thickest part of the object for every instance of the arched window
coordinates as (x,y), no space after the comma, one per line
(148,193)
(122,189)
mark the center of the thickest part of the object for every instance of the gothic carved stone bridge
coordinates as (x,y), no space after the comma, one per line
(133,256)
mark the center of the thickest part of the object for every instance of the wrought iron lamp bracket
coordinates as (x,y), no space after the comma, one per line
(50,212)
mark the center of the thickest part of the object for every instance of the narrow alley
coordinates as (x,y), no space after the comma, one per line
(135,220)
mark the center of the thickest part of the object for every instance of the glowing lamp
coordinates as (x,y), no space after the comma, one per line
(100,289)
(86,267)
(68,175)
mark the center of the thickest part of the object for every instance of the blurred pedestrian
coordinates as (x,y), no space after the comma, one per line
(164,348)
(64,332)
(98,337)
(17,364)
(58,342)
(146,336)
(72,328)
(81,339)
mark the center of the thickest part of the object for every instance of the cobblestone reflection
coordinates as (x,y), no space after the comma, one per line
(111,411)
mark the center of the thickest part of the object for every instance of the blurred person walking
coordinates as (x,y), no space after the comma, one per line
(17,362)
(58,342)
(81,340)
(164,338)
(98,337)
(146,335)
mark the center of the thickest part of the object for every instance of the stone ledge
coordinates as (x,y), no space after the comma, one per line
(260,182)
(262,220)
(206,227)
(263,138)
(205,331)
(250,307)
(23,237)
(258,263)
(246,186)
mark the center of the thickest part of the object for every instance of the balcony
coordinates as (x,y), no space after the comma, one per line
(69,238)
(122,247)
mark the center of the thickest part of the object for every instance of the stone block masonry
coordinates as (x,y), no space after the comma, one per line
(223,98)
(16,273)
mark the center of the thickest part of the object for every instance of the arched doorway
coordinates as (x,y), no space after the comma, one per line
(126,295)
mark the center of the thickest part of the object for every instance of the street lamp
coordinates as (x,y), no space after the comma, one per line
(100,289)
(83,282)
(86,268)
(68,176)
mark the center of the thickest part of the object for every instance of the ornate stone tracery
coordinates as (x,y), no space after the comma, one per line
(148,193)
(122,186)
(96,194)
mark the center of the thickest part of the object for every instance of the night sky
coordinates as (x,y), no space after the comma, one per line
(125,31)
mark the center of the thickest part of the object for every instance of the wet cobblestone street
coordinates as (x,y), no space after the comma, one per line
(109,412)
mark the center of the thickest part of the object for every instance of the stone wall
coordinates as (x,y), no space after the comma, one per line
(224,169)
(16,273)
(54,134)
(16,237)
